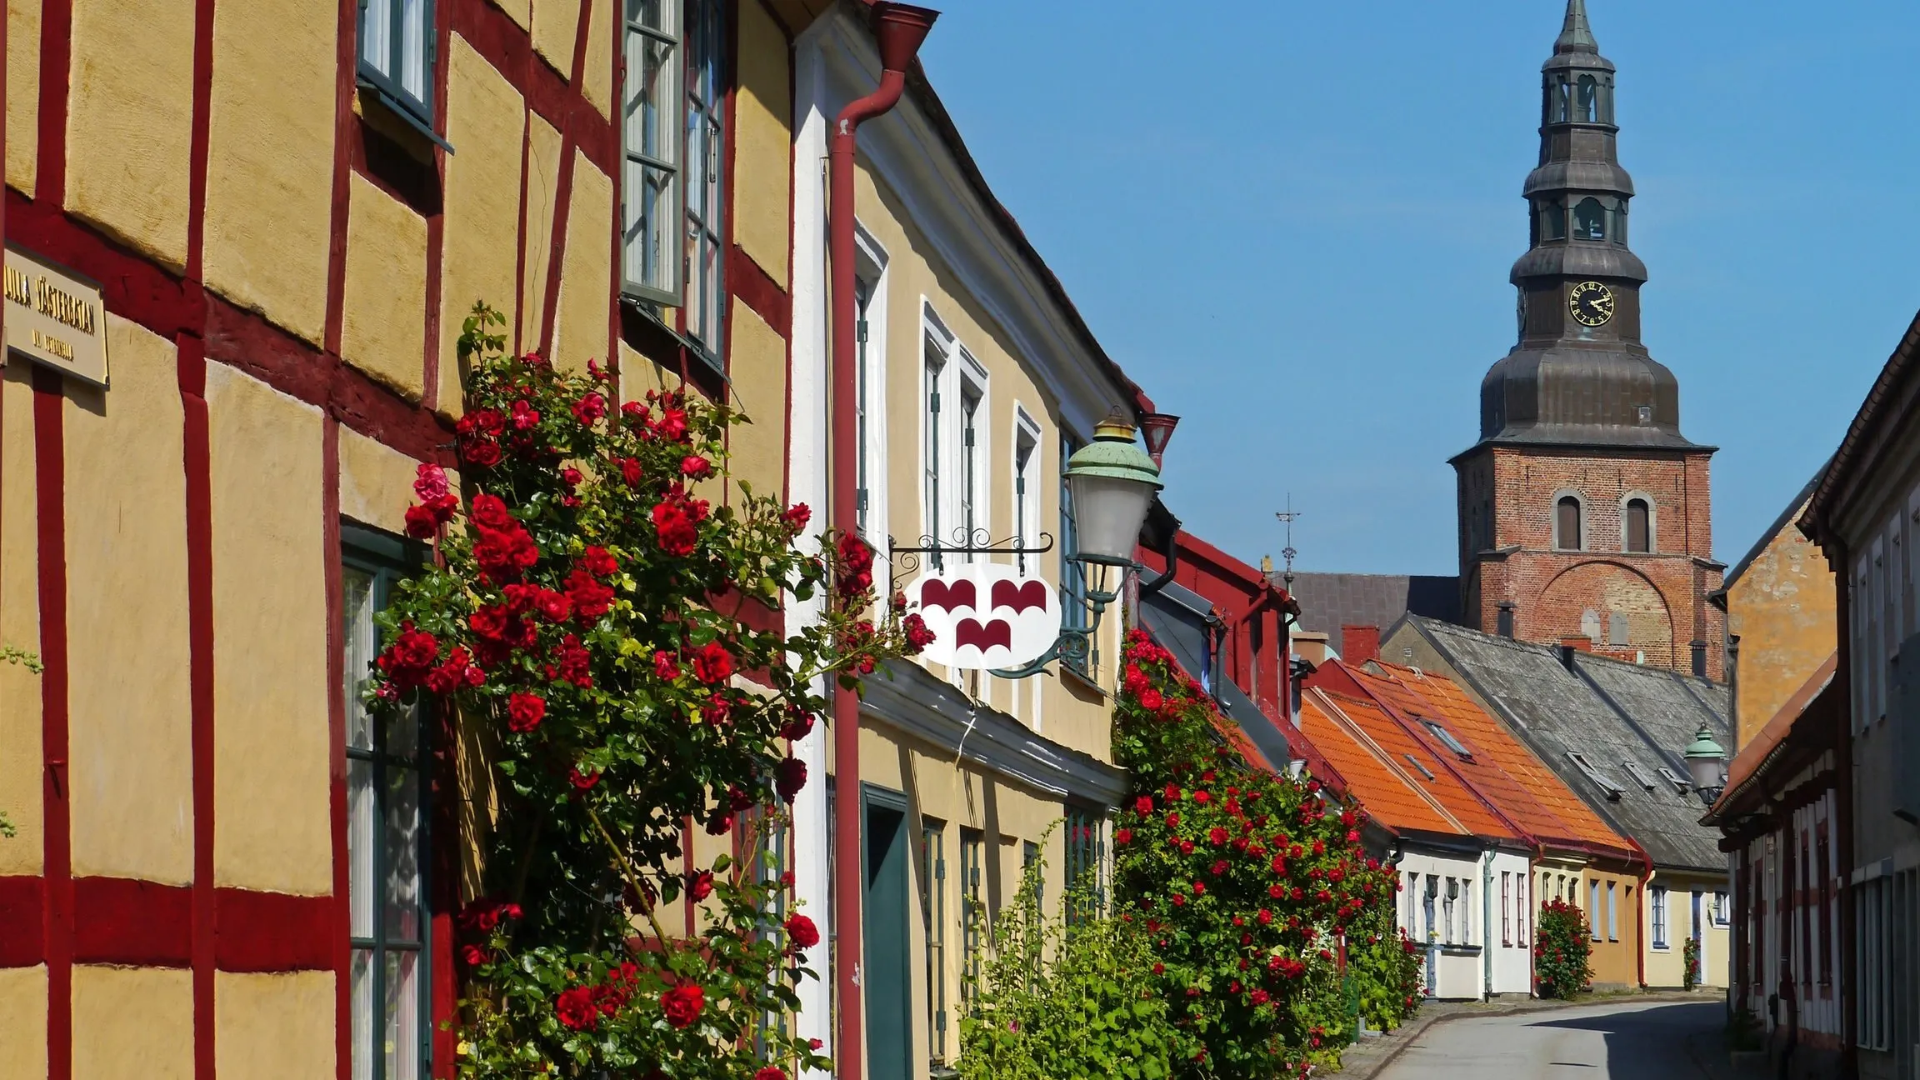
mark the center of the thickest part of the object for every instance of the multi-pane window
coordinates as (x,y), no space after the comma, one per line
(1506,911)
(1593,908)
(933,914)
(1446,909)
(863,380)
(1025,460)
(397,55)
(1074,602)
(673,146)
(386,841)
(973,909)
(1613,924)
(970,395)
(1720,911)
(1819,873)
(1086,864)
(931,448)
(1659,903)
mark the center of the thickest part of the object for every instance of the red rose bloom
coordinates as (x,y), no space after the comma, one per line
(524,416)
(1217,835)
(797,517)
(421,522)
(789,777)
(802,932)
(799,724)
(1143,805)
(700,886)
(695,467)
(664,666)
(590,598)
(675,528)
(590,408)
(489,511)
(576,1009)
(682,1005)
(1123,836)
(525,711)
(919,635)
(712,663)
(599,561)
(771,1072)
(672,424)
(582,781)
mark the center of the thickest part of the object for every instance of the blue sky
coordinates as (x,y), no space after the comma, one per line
(1292,223)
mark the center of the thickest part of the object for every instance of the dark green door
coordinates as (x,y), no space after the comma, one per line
(884,962)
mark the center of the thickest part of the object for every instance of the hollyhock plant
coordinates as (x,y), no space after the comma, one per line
(582,622)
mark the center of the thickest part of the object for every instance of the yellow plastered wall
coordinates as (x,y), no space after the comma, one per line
(130,718)
(1007,814)
(129,121)
(758,368)
(555,23)
(1616,961)
(279,1025)
(21,788)
(270,159)
(581,318)
(543,182)
(23,1001)
(763,142)
(384,325)
(597,80)
(376,482)
(486,119)
(271,749)
(639,375)
(132,1023)
(521,11)
(23,93)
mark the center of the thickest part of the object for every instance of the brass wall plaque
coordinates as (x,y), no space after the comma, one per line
(55,318)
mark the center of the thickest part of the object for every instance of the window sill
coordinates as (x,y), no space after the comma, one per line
(405,114)
(1084,678)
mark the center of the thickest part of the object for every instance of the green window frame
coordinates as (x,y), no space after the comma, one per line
(933,916)
(389,841)
(398,51)
(1086,864)
(1075,604)
(973,909)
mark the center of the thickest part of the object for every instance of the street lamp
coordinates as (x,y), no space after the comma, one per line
(1707,762)
(1111,482)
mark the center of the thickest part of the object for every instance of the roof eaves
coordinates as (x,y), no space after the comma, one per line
(1846,460)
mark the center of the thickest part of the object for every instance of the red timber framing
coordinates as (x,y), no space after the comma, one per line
(200,927)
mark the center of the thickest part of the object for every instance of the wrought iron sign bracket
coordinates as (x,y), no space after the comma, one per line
(905,561)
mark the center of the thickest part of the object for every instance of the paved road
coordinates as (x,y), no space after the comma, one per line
(1619,1041)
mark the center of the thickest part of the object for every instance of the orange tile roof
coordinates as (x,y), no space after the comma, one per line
(1459,800)
(1559,814)
(1387,797)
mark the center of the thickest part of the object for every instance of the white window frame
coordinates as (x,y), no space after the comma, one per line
(1722,909)
(973,464)
(1612,787)
(1662,932)
(667,278)
(871,269)
(1027,432)
(1613,921)
(939,509)
(1593,908)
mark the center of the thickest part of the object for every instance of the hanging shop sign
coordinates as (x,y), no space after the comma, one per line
(985,615)
(55,318)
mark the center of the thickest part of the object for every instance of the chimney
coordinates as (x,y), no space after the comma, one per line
(1359,644)
(1580,642)
(1566,652)
(1505,619)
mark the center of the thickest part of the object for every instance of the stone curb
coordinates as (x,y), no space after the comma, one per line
(1408,1034)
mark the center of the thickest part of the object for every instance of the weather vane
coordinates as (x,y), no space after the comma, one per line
(1287,517)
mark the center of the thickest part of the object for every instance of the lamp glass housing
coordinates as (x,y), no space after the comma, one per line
(1108,512)
(1707,772)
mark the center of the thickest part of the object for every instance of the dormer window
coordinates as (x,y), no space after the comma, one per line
(1447,740)
(1680,784)
(1601,780)
(1589,220)
(1639,775)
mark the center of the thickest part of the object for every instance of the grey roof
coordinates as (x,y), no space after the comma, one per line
(1610,713)
(1330,601)
(1177,618)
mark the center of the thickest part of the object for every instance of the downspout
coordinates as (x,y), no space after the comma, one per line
(899,30)
(1486,921)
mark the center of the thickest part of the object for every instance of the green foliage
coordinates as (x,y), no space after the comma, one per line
(1690,963)
(582,620)
(1250,886)
(1092,1009)
(1562,948)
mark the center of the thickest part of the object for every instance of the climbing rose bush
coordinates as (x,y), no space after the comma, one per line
(1249,884)
(1561,950)
(590,620)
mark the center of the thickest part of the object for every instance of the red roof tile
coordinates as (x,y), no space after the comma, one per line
(1518,782)
(1385,793)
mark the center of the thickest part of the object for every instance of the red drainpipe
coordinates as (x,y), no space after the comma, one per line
(899,30)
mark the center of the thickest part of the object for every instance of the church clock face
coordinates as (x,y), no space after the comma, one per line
(1591,303)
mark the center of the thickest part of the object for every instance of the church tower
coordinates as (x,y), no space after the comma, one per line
(1584,513)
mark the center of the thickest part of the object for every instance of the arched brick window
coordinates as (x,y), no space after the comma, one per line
(1566,523)
(1639,525)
